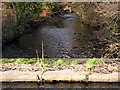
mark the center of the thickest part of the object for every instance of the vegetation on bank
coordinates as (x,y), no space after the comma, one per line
(58,73)
(90,63)
(27,10)
(89,66)
(16,16)
(51,62)
(44,63)
(103,17)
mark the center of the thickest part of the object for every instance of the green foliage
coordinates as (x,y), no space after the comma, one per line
(59,62)
(19,60)
(43,65)
(45,62)
(25,61)
(7,60)
(91,62)
(73,62)
(26,10)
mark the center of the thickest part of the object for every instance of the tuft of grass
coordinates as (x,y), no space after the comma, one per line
(25,61)
(73,62)
(90,63)
(7,60)
(61,62)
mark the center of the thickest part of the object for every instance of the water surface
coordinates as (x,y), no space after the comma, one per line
(67,38)
(106,86)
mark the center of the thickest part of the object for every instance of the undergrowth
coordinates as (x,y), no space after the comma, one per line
(49,62)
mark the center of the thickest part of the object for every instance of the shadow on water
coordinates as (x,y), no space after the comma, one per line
(71,39)
(5,86)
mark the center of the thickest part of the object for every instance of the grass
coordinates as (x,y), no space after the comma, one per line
(44,62)
(18,60)
(49,62)
(90,63)
(61,62)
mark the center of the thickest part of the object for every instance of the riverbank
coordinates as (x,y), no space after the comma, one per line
(98,42)
(104,18)
(17,21)
(60,71)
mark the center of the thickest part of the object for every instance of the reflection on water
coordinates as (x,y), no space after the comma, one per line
(71,40)
(60,85)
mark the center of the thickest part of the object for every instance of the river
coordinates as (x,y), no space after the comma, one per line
(67,38)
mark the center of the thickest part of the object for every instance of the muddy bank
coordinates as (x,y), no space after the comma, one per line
(10,30)
(104,18)
(96,15)
(8,22)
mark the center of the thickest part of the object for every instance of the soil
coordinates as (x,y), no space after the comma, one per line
(103,68)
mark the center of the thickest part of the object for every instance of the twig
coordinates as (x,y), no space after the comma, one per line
(42,50)
(42,63)
(38,59)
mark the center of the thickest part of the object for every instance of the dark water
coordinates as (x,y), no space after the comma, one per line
(61,85)
(67,38)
